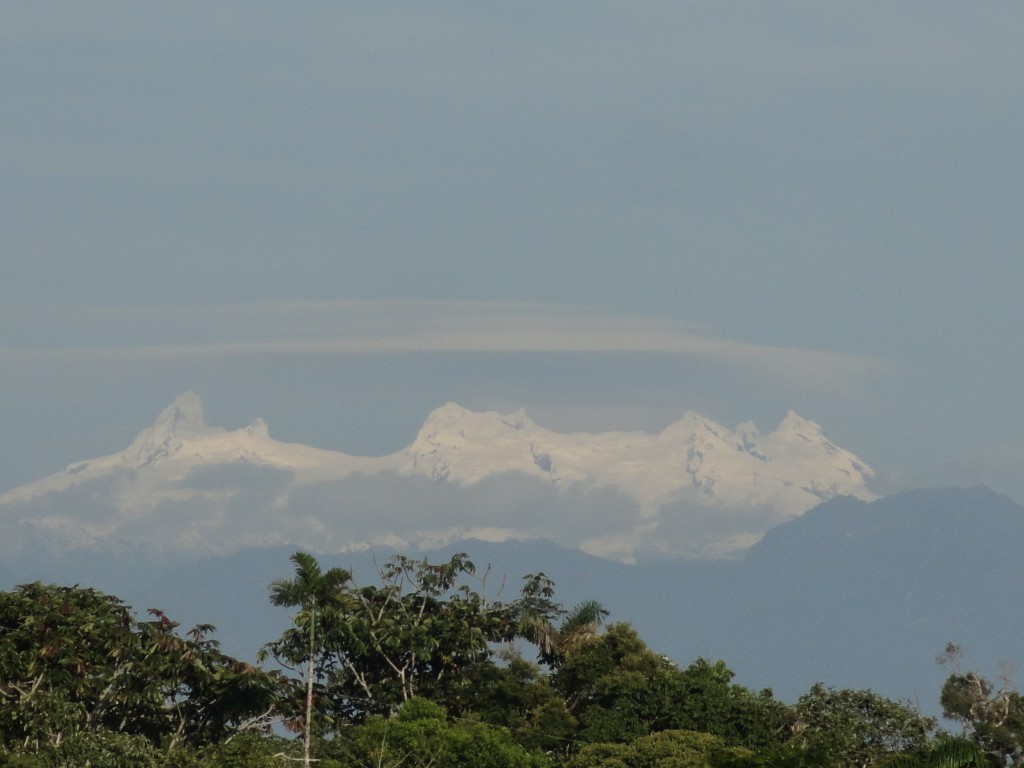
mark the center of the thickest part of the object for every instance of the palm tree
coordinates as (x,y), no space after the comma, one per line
(579,624)
(316,593)
(947,752)
(582,622)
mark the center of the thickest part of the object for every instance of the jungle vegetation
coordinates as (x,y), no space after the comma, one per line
(422,670)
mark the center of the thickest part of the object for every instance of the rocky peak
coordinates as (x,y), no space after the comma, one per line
(181,420)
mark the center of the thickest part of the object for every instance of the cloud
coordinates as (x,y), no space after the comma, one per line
(396,327)
(221,509)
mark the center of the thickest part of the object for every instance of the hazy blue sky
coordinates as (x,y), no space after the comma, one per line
(339,216)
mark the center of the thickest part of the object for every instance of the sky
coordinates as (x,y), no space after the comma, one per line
(339,216)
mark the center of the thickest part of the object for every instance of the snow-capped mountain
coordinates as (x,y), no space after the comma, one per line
(695,488)
(793,468)
(180,441)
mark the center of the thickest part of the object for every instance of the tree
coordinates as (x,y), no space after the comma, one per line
(993,718)
(420,735)
(946,752)
(857,728)
(425,630)
(63,654)
(422,632)
(248,750)
(619,690)
(616,687)
(516,695)
(712,703)
(208,697)
(578,625)
(82,682)
(664,749)
(320,596)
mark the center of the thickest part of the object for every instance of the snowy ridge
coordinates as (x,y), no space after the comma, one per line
(795,466)
(178,484)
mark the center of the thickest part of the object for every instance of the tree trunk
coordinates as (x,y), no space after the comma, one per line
(306,736)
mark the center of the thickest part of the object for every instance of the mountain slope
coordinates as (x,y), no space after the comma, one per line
(696,488)
(870,593)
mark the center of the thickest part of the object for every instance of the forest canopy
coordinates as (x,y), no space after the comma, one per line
(422,668)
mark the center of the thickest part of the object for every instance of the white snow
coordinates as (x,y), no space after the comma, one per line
(794,467)
(694,466)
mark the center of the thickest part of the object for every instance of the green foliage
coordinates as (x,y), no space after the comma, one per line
(422,669)
(247,750)
(857,728)
(946,752)
(104,749)
(712,703)
(418,633)
(992,718)
(616,688)
(423,631)
(537,623)
(516,695)
(420,736)
(321,598)
(20,761)
(619,690)
(665,749)
(83,682)
(59,647)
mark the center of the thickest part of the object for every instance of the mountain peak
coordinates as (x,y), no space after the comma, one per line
(258,428)
(180,420)
(186,411)
(689,423)
(452,415)
(450,411)
(793,421)
(793,425)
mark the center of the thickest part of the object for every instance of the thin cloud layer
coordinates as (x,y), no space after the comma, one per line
(393,327)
